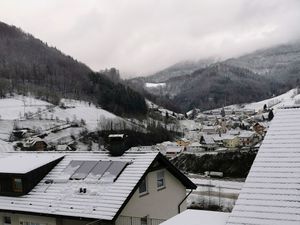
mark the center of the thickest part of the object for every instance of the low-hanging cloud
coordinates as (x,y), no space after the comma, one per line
(140,37)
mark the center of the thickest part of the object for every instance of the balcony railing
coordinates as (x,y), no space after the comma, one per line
(128,220)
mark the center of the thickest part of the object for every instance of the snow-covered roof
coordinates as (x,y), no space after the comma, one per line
(270,195)
(246,134)
(24,163)
(210,128)
(57,194)
(229,137)
(173,149)
(195,144)
(198,217)
(208,139)
(116,135)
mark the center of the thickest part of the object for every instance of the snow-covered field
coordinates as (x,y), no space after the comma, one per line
(13,107)
(83,110)
(44,117)
(223,193)
(287,99)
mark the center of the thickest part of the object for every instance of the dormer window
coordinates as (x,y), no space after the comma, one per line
(30,170)
(17,185)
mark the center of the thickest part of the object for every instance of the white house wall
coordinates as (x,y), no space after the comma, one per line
(17,218)
(157,204)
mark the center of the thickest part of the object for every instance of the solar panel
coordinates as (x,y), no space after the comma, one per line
(84,169)
(115,169)
(95,170)
(72,167)
(98,171)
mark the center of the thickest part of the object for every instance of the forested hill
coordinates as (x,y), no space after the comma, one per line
(27,65)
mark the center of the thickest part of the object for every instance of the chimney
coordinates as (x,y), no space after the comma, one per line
(117,144)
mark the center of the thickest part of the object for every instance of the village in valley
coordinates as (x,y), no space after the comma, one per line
(42,127)
(231,128)
(149,112)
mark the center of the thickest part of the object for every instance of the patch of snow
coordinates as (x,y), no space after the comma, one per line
(11,108)
(197,217)
(286,99)
(155,85)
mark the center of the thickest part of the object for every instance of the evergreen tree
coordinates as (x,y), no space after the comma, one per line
(265,107)
(223,112)
(271,115)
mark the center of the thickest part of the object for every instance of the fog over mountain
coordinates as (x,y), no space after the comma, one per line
(143,37)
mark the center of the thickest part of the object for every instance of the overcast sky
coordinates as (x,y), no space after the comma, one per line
(140,37)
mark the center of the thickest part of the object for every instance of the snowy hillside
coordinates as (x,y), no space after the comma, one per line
(12,108)
(83,110)
(287,99)
(53,121)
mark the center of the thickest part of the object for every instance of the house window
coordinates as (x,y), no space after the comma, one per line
(17,185)
(160,179)
(6,220)
(143,189)
(144,220)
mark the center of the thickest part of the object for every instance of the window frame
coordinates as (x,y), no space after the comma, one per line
(7,220)
(146,187)
(15,184)
(160,178)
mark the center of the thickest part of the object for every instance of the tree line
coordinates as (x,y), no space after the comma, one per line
(27,65)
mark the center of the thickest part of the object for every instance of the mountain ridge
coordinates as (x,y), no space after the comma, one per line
(28,65)
(278,68)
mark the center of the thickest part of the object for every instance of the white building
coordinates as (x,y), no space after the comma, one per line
(195,147)
(80,188)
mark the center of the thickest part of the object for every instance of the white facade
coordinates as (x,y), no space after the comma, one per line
(56,197)
(157,204)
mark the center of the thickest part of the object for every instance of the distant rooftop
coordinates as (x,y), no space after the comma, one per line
(24,163)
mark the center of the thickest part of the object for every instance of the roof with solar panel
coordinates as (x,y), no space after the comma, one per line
(271,193)
(91,185)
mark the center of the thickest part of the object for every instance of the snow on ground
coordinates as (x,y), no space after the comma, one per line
(64,136)
(11,108)
(226,186)
(163,111)
(190,125)
(220,192)
(46,117)
(83,110)
(155,85)
(287,99)
(42,125)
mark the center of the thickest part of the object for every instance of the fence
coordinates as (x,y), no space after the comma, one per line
(127,220)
